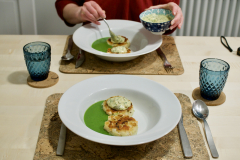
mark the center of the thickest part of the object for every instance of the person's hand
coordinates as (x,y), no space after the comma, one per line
(177,12)
(91,11)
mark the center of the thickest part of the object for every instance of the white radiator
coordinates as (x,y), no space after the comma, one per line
(210,18)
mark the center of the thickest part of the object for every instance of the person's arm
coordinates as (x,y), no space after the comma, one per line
(73,14)
(60,5)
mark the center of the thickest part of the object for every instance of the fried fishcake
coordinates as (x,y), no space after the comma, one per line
(110,51)
(121,125)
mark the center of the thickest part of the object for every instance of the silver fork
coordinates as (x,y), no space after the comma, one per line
(167,66)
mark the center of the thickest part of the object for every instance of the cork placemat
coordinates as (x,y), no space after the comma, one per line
(196,94)
(148,64)
(51,80)
(165,148)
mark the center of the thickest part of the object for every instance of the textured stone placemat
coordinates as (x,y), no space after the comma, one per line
(148,64)
(196,94)
(166,148)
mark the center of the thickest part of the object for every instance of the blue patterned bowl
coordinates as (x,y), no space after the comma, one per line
(157,28)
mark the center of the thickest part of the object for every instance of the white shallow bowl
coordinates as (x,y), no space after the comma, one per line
(142,41)
(157,109)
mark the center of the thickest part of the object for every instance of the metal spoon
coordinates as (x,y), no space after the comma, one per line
(113,36)
(68,56)
(200,110)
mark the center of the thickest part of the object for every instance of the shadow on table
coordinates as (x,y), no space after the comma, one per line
(18,77)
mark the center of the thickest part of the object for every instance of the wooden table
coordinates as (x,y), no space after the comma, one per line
(21,106)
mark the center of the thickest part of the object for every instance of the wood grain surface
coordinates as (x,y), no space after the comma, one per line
(22,106)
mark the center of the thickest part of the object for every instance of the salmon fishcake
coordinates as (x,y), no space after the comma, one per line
(121,125)
(125,43)
(119,50)
(118,105)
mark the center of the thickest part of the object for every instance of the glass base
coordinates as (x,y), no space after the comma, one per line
(39,78)
(210,97)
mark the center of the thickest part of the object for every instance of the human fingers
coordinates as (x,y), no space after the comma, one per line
(175,22)
(180,25)
(101,13)
(178,19)
(91,8)
(158,6)
(92,12)
(87,16)
(176,10)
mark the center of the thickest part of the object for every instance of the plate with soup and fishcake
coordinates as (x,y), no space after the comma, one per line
(135,40)
(119,110)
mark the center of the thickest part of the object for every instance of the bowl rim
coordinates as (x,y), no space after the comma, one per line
(68,114)
(155,22)
(132,54)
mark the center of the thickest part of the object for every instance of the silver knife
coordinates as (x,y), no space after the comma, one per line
(80,58)
(184,140)
(62,140)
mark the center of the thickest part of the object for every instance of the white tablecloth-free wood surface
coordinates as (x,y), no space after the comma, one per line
(21,106)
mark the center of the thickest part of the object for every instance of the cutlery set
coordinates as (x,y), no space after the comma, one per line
(80,57)
(199,109)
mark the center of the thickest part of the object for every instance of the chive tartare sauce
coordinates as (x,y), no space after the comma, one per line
(119,103)
(155,18)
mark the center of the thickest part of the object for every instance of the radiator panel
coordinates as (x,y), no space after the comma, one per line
(210,18)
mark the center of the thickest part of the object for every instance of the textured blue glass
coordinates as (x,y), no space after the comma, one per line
(212,77)
(156,27)
(37,56)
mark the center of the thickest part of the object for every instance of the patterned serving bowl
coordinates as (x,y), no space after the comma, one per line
(157,28)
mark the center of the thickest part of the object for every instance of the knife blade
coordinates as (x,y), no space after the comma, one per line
(80,58)
(184,140)
(62,140)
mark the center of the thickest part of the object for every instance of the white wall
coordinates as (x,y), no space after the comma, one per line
(9,17)
(32,17)
(48,21)
(27,16)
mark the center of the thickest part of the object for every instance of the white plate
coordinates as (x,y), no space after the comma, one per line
(157,109)
(142,41)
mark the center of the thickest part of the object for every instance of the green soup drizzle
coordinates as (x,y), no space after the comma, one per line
(101,44)
(95,118)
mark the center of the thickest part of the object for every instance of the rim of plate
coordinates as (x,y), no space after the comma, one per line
(68,110)
(155,41)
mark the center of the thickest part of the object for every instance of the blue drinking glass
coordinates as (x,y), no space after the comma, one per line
(37,56)
(212,77)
